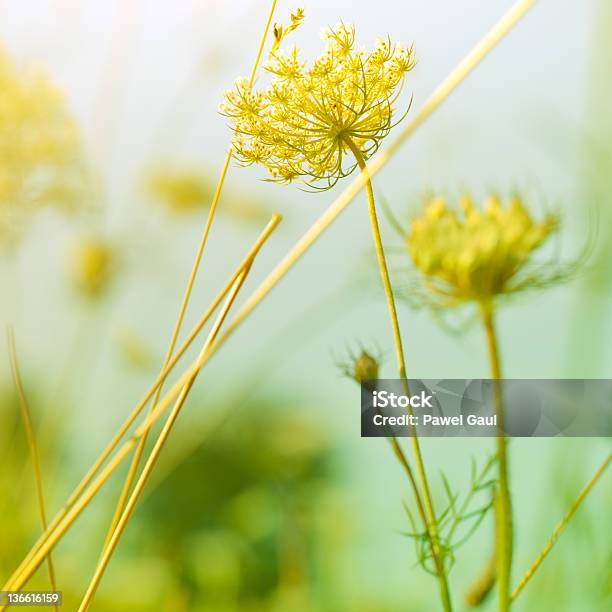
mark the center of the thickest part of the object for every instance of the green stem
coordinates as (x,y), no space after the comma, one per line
(430,519)
(561,526)
(503,505)
(32,447)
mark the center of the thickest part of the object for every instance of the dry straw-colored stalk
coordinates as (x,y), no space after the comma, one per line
(112,445)
(79,502)
(129,480)
(563,523)
(88,487)
(156,451)
(32,445)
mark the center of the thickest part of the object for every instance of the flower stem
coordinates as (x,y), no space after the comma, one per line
(503,505)
(91,484)
(155,453)
(133,469)
(32,446)
(430,517)
(561,526)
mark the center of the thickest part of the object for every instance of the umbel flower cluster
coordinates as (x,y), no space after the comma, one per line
(301,124)
(475,255)
(38,145)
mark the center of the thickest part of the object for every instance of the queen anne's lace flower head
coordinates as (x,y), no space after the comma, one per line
(477,254)
(299,126)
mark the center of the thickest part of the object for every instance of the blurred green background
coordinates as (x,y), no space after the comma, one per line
(265,497)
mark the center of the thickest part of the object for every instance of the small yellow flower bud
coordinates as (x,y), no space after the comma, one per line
(365,367)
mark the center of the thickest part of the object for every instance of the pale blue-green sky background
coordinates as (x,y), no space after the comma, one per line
(145,79)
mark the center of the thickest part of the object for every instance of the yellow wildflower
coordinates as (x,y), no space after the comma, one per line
(301,124)
(38,146)
(180,191)
(365,367)
(92,266)
(477,254)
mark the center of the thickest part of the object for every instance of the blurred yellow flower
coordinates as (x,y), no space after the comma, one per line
(39,147)
(182,191)
(179,191)
(476,254)
(92,266)
(307,121)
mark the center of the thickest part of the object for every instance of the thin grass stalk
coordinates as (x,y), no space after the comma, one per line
(85,482)
(32,446)
(129,480)
(155,452)
(440,94)
(503,503)
(134,414)
(430,515)
(136,411)
(52,537)
(563,523)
